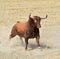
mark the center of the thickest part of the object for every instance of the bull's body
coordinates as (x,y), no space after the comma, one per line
(24,30)
(29,29)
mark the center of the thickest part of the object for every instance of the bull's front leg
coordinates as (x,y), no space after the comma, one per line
(26,41)
(37,40)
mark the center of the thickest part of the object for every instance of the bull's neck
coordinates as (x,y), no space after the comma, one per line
(31,24)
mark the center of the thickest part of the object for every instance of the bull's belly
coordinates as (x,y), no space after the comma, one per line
(32,35)
(28,35)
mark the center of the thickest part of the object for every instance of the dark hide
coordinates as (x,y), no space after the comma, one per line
(29,29)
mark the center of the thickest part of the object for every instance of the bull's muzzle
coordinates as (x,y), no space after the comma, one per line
(39,26)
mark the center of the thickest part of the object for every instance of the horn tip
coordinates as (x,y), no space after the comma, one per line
(46,16)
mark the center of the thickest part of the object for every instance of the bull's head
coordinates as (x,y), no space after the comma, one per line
(37,21)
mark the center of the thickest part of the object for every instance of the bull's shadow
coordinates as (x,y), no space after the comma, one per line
(42,46)
(34,46)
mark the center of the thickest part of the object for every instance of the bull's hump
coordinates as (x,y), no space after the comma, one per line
(18,21)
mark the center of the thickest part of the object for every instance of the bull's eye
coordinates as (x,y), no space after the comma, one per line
(35,21)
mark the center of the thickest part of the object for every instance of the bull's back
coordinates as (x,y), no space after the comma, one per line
(21,28)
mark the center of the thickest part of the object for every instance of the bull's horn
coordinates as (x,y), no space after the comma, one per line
(30,15)
(45,17)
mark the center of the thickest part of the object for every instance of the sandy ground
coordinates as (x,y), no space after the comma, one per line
(18,10)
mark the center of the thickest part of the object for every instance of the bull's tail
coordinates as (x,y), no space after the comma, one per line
(13,33)
(45,17)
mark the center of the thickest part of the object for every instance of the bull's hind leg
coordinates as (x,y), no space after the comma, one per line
(22,41)
(37,40)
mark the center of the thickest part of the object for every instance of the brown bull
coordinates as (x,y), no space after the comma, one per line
(29,29)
